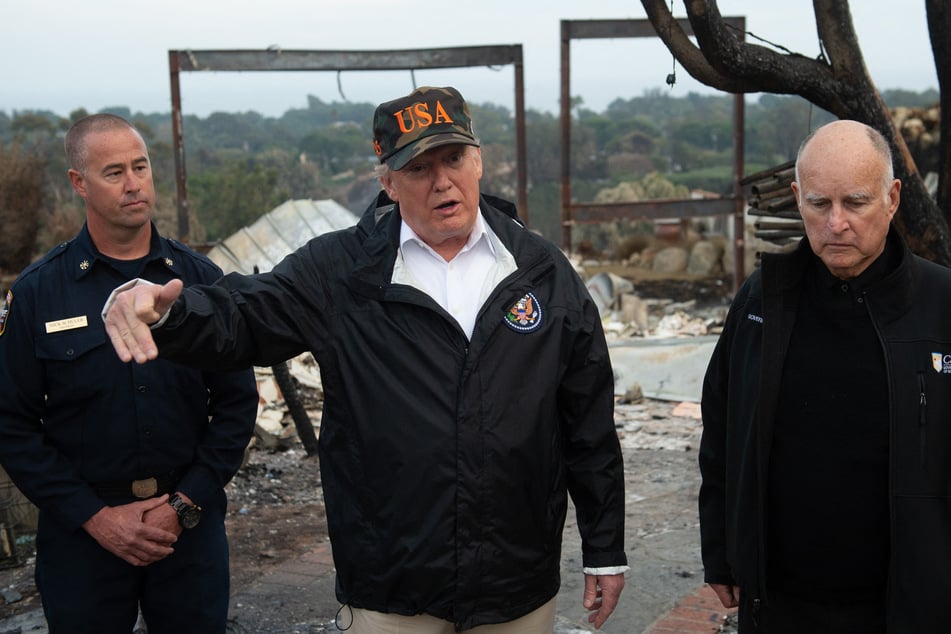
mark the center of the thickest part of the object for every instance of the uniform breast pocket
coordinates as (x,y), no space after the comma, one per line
(79,361)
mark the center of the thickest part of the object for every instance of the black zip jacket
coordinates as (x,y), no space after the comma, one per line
(911,312)
(446,462)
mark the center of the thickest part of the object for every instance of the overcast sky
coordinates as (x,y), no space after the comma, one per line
(60,56)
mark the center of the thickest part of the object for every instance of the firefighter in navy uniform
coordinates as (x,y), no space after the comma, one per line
(126,464)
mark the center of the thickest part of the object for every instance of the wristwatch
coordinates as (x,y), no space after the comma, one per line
(188,514)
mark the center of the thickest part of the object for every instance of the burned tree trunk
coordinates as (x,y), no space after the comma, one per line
(295,405)
(836,81)
(939,23)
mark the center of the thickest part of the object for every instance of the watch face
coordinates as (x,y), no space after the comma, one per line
(188,515)
(190,518)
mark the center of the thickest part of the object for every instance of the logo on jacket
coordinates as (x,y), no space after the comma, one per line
(5,310)
(525,315)
(940,362)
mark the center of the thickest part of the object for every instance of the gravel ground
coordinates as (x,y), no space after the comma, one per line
(276,514)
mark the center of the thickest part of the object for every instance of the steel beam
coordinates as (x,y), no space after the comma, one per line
(583,213)
(276,59)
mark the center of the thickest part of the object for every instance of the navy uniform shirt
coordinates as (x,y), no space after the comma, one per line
(72,415)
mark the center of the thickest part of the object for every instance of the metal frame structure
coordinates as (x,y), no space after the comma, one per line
(572,213)
(303,60)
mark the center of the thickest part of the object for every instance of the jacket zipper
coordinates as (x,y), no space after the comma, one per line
(922,420)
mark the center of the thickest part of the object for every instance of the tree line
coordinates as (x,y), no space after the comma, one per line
(242,164)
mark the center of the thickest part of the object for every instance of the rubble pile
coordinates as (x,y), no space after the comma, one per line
(656,425)
(275,428)
(626,314)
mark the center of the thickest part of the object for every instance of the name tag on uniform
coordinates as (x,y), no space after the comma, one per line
(66,324)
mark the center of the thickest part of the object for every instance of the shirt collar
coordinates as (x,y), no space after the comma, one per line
(479,232)
(880,267)
(85,256)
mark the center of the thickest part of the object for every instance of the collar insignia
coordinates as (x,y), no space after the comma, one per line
(168,262)
(5,310)
(525,315)
(84,265)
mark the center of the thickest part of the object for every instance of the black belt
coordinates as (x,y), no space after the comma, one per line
(144,488)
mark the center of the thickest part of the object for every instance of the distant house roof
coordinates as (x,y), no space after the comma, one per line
(279,232)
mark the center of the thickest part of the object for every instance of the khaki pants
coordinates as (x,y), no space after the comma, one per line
(541,621)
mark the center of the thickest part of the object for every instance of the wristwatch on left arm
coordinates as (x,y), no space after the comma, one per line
(188,514)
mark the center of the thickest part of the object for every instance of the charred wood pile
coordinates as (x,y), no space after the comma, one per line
(772,203)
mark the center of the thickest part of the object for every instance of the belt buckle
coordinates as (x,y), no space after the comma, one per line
(144,488)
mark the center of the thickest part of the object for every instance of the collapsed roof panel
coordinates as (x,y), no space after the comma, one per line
(279,232)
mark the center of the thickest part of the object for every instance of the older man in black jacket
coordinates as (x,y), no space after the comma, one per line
(826,450)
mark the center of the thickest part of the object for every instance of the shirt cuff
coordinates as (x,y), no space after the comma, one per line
(124,287)
(606,570)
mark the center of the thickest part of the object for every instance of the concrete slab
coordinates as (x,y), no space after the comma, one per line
(669,369)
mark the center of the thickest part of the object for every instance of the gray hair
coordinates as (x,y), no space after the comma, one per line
(382,170)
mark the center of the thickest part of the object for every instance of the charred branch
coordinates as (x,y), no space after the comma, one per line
(836,81)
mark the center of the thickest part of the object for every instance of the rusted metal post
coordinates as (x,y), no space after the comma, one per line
(572,213)
(178,143)
(521,153)
(566,136)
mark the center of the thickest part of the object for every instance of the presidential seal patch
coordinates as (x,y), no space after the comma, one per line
(5,310)
(525,315)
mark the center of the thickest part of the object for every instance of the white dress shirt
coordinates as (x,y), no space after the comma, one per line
(462,284)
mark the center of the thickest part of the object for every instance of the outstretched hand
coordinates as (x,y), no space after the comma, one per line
(132,313)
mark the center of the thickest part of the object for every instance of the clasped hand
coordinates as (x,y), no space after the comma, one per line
(140,533)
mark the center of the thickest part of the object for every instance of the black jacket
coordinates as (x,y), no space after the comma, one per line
(445,462)
(911,312)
